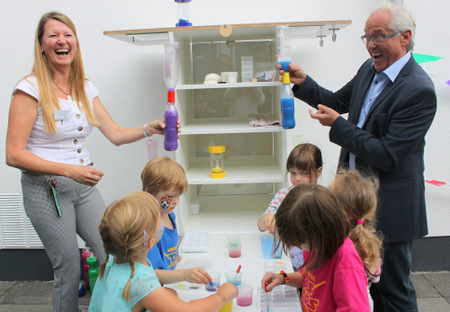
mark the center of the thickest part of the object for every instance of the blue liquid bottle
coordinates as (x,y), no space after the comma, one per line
(286,95)
(171,78)
(287,104)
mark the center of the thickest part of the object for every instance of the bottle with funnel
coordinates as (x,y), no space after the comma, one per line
(171,67)
(286,95)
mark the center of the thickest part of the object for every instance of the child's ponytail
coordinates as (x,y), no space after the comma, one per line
(126,290)
(123,230)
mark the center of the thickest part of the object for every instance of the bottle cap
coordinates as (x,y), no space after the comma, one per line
(286,77)
(91,261)
(171,96)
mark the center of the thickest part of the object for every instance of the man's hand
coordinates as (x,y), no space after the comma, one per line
(325,115)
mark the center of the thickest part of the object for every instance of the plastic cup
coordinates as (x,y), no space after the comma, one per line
(227,307)
(234,246)
(245,296)
(234,278)
(215,276)
(229,77)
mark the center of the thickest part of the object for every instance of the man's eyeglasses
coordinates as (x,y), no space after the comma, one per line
(377,39)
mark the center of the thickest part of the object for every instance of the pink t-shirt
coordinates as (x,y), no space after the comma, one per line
(338,285)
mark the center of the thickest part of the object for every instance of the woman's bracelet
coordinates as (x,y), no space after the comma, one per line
(145,130)
(285,277)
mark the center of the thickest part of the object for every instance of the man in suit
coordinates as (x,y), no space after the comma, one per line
(391,103)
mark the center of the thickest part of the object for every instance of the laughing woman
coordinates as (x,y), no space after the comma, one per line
(52,112)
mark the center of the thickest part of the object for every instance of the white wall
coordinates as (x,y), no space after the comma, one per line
(130,78)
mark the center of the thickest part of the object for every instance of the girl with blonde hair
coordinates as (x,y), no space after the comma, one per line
(127,280)
(358,196)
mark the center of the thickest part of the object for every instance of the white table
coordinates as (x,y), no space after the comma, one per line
(217,260)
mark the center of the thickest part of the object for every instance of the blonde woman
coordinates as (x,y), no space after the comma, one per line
(52,112)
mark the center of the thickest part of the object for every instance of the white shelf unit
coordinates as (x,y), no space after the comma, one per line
(255,157)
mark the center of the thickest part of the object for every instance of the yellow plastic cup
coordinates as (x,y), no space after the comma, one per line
(227,307)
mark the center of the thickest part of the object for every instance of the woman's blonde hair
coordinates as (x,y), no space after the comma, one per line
(358,195)
(47,97)
(126,227)
(163,173)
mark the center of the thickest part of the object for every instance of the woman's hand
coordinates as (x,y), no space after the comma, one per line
(158,126)
(197,275)
(85,174)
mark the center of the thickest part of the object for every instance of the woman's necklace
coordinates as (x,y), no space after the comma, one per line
(67,94)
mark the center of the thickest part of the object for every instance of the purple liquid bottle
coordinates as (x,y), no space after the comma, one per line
(170,119)
(171,78)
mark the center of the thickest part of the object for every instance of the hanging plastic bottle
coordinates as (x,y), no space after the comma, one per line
(286,95)
(287,104)
(93,271)
(171,79)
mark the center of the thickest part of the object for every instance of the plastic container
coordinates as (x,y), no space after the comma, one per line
(234,278)
(152,148)
(283,47)
(85,253)
(234,246)
(245,296)
(171,67)
(229,77)
(215,279)
(183,13)
(217,170)
(287,104)
(226,307)
(171,131)
(93,271)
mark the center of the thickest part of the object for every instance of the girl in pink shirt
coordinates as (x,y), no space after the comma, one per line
(358,196)
(332,277)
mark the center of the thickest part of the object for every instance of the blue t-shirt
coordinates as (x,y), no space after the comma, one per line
(164,254)
(108,290)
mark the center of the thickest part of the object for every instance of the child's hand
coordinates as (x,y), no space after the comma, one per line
(197,275)
(269,222)
(270,280)
(228,290)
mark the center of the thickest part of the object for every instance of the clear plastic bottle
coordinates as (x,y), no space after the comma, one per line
(171,131)
(283,47)
(287,104)
(85,253)
(93,271)
(171,78)
(286,95)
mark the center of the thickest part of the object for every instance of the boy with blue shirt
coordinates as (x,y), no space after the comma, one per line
(166,180)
